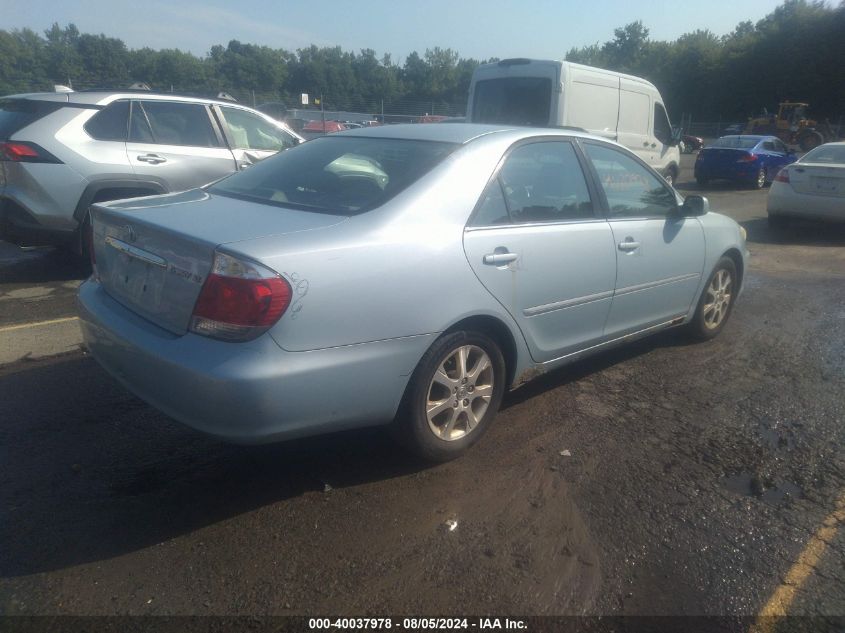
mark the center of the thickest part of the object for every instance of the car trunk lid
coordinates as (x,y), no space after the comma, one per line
(153,254)
(818,179)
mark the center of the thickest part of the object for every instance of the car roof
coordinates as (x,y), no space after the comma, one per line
(753,137)
(460,133)
(97,97)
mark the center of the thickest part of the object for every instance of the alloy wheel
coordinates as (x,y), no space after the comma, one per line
(459,393)
(718,299)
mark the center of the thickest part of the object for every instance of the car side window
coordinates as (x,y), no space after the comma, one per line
(172,123)
(248,131)
(539,182)
(632,190)
(780,147)
(491,209)
(662,128)
(110,123)
(769,146)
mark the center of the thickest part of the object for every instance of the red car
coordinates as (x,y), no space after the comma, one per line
(320,127)
(691,143)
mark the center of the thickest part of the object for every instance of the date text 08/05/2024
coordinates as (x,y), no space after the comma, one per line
(414,624)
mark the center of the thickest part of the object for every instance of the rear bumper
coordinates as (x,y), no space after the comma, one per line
(20,227)
(742,171)
(785,201)
(250,392)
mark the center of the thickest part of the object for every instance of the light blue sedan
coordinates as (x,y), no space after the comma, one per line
(401,275)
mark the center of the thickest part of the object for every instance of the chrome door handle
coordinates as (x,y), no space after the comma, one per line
(152,159)
(629,245)
(497,259)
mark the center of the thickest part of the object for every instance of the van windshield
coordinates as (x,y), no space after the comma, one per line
(513,100)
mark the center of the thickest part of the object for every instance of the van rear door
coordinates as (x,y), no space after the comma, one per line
(515,92)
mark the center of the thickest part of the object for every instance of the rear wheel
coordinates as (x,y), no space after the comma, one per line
(759,179)
(810,140)
(452,397)
(716,302)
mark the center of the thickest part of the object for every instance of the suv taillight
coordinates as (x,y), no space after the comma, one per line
(239,300)
(20,152)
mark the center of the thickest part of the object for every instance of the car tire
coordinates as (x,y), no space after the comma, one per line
(759,179)
(810,140)
(716,302)
(460,379)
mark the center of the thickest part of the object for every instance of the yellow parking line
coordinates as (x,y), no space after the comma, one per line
(778,605)
(26,325)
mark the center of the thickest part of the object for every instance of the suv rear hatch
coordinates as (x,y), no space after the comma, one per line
(153,254)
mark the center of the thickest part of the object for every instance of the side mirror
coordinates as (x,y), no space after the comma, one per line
(694,206)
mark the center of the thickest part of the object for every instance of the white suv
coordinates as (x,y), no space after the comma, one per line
(60,152)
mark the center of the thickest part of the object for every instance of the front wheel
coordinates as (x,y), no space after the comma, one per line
(452,397)
(716,302)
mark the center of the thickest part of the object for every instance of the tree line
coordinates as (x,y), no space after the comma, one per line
(795,52)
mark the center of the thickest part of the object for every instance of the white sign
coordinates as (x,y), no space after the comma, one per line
(304,98)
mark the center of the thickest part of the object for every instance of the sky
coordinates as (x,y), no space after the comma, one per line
(477,29)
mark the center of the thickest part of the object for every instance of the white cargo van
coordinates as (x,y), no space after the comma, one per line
(624,108)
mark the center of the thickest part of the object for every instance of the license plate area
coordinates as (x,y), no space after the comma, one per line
(826,185)
(136,277)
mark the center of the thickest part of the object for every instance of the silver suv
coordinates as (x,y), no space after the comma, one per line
(61,152)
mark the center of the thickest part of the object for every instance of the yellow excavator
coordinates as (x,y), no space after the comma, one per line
(792,126)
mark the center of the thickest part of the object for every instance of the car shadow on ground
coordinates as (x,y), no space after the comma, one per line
(91,472)
(796,232)
(39,266)
(595,364)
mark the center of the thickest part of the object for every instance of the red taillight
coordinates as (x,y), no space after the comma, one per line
(783,175)
(239,300)
(748,158)
(18,152)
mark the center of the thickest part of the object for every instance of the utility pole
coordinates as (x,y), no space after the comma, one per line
(323,112)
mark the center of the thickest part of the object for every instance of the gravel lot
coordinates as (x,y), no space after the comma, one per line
(696,477)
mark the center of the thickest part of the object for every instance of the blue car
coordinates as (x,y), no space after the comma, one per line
(405,275)
(749,159)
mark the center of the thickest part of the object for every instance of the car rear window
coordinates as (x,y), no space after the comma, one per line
(735,142)
(338,175)
(513,100)
(16,114)
(825,154)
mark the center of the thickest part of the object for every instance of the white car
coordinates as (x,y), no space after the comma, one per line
(812,188)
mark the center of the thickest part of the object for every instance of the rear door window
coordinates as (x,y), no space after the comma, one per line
(16,114)
(173,123)
(111,123)
(539,182)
